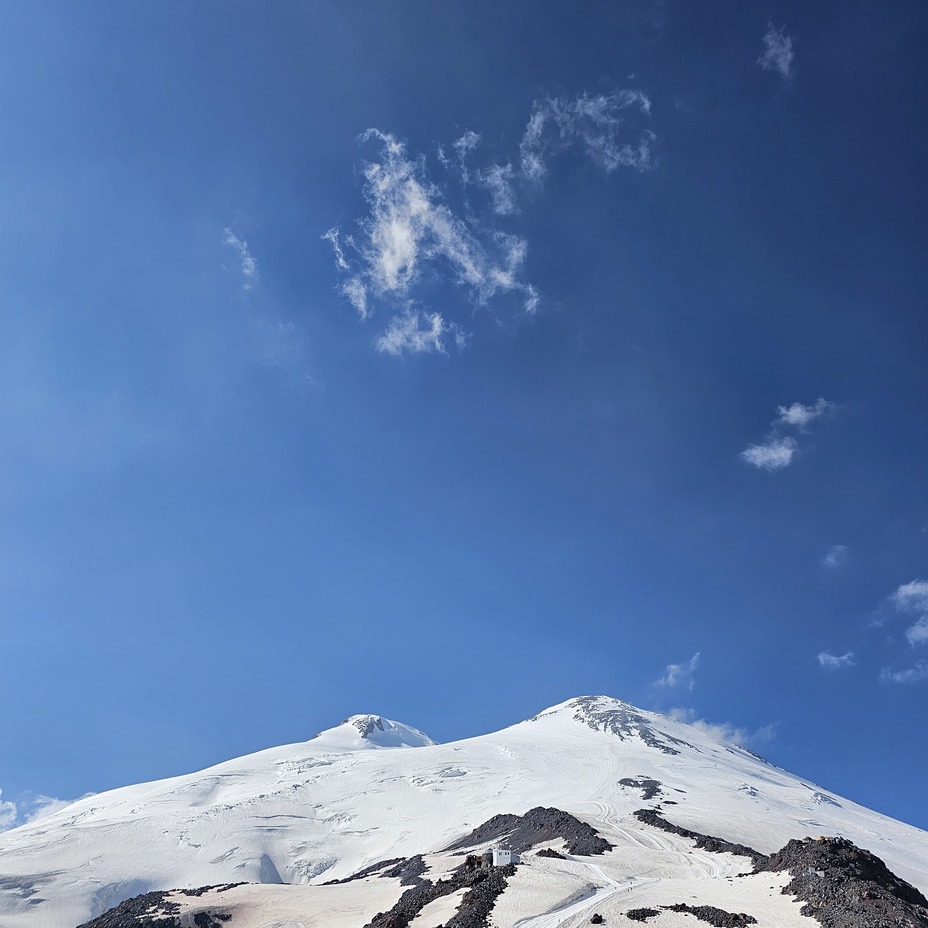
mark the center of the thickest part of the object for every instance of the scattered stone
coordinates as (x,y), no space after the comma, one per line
(550,852)
(597,919)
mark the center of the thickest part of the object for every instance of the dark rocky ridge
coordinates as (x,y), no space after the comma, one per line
(706,842)
(709,914)
(367,871)
(536,826)
(155,910)
(483,885)
(844,886)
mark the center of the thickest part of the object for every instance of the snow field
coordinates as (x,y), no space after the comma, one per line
(324,809)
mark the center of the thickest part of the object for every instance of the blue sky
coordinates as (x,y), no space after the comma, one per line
(449,360)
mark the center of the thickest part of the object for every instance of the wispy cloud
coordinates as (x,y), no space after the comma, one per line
(8,813)
(830,661)
(413,236)
(680,675)
(918,633)
(419,333)
(249,266)
(598,123)
(912,599)
(778,451)
(912,596)
(725,732)
(498,180)
(913,674)
(332,237)
(800,416)
(908,599)
(462,148)
(772,455)
(43,806)
(29,808)
(411,232)
(778,51)
(836,556)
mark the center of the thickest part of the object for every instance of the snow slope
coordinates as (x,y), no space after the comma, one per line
(371,789)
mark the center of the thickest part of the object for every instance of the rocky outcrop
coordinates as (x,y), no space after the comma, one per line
(535,827)
(844,886)
(706,842)
(649,788)
(709,914)
(483,888)
(156,910)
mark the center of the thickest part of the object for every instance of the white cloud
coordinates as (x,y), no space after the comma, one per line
(918,633)
(498,179)
(913,674)
(419,333)
(8,813)
(409,233)
(836,557)
(596,122)
(357,296)
(411,236)
(680,674)
(836,661)
(800,416)
(725,732)
(463,147)
(410,225)
(775,454)
(912,596)
(43,806)
(778,51)
(332,236)
(779,450)
(249,266)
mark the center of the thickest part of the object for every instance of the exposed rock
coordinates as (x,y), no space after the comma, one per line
(641,915)
(408,870)
(718,918)
(366,871)
(550,852)
(484,886)
(706,842)
(844,886)
(649,788)
(155,910)
(625,722)
(535,827)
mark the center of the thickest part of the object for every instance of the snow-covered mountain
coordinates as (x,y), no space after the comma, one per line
(372,790)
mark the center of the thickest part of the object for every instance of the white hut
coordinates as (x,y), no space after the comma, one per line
(502,856)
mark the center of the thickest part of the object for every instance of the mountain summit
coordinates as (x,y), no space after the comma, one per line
(359,732)
(355,797)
